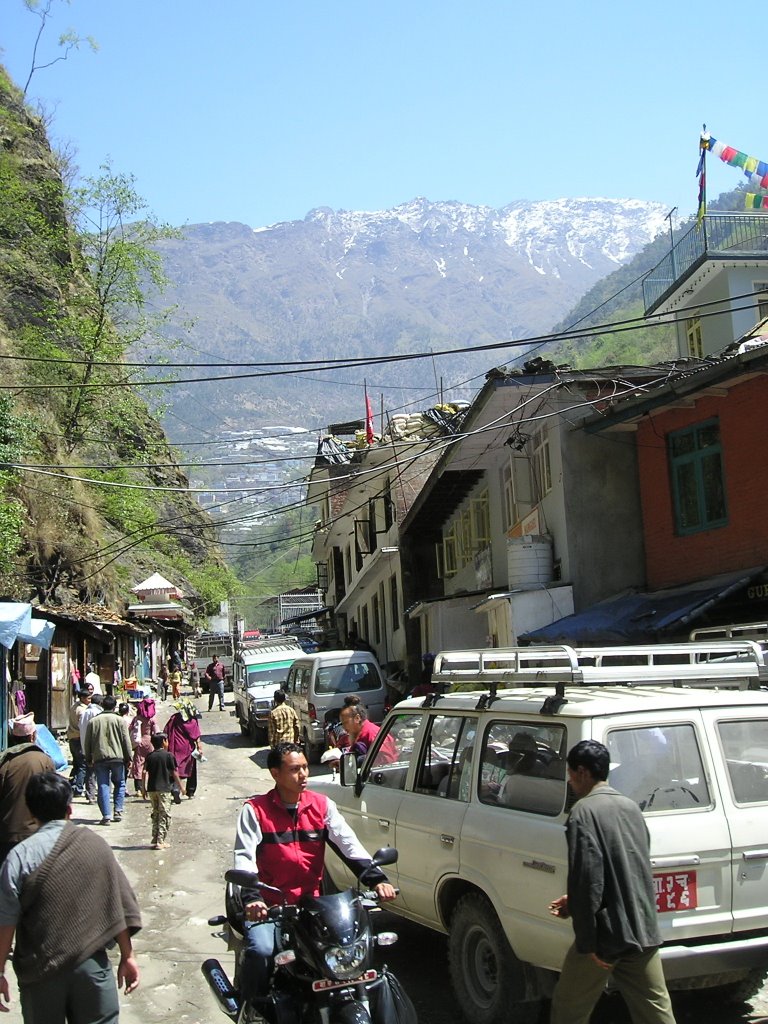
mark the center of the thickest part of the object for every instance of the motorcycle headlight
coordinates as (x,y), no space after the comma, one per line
(346,961)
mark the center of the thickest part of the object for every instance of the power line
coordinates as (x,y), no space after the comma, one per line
(317,366)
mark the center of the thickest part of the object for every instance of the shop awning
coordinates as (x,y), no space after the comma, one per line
(16,623)
(642,617)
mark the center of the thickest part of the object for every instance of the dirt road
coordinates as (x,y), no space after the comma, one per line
(181,887)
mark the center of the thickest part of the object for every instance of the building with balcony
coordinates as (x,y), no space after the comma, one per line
(713,282)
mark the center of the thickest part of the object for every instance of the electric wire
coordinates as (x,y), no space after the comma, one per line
(618,327)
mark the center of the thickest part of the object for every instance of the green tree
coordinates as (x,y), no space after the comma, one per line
(90,336)
(68,40)
(16,433)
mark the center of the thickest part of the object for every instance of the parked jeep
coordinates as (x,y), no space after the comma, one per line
(477,798)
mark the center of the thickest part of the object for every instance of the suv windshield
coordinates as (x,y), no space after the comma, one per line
(272,672)
(347,678)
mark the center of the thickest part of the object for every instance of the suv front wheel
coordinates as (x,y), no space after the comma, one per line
(487,976)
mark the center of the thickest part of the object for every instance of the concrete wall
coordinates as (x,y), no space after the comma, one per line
(533,609)
(452,625)
(604,544)
(717,332)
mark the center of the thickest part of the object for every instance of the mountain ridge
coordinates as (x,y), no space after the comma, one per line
(370,283)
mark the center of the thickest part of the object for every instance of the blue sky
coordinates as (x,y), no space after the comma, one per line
(259,111)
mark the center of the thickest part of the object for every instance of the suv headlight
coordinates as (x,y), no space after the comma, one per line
(346,961)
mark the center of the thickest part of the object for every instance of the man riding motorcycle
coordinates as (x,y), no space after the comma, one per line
(281,835)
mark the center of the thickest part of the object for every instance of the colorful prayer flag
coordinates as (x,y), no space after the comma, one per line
(755,171)
(368,420)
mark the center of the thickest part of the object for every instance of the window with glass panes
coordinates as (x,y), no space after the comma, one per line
(698,487)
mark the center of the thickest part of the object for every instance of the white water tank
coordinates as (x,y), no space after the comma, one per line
(529,561)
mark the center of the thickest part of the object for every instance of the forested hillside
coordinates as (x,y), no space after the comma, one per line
(91,497)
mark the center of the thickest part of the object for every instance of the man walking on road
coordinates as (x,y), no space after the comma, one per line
(283,722)
(108,748)
(215,674)
(76,712)
(610,900)
(61,933)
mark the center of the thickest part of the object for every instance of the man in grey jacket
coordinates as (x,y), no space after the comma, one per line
(610,900)
(108,748)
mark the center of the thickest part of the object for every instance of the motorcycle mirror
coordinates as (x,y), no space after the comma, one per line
(386,855)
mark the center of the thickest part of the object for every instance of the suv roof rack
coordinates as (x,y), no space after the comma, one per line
(734,631)
(736,664)
(278,640)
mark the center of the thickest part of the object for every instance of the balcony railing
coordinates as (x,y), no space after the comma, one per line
(721,236)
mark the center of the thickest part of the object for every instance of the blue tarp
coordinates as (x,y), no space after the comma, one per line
(16,623)
(40,632)
(14,617)
(642,617)
(47,741)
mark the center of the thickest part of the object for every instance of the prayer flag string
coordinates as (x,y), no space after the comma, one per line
(755,171)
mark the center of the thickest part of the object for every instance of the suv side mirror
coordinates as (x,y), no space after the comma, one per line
(348,769)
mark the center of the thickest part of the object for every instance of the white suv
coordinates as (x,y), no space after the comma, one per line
(476,800)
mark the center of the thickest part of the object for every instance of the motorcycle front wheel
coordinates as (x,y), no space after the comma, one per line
(350,1013)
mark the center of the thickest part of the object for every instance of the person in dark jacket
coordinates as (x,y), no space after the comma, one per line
(216,674)
(18,764)
(610,900)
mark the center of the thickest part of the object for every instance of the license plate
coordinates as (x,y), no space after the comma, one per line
(675,890)
(325,983)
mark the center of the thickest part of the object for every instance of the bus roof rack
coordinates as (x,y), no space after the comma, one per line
(735,664)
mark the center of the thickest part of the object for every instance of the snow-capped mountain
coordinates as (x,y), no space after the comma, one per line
(421,276)
(547,234)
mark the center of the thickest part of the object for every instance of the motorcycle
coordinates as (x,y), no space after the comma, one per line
(323,971)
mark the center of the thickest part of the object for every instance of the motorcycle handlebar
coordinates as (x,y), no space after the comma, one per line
(284,911)
(371,894)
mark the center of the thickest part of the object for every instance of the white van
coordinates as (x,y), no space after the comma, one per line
(318,683)
(260,668)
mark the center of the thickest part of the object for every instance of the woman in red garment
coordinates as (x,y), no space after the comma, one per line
(185,743)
